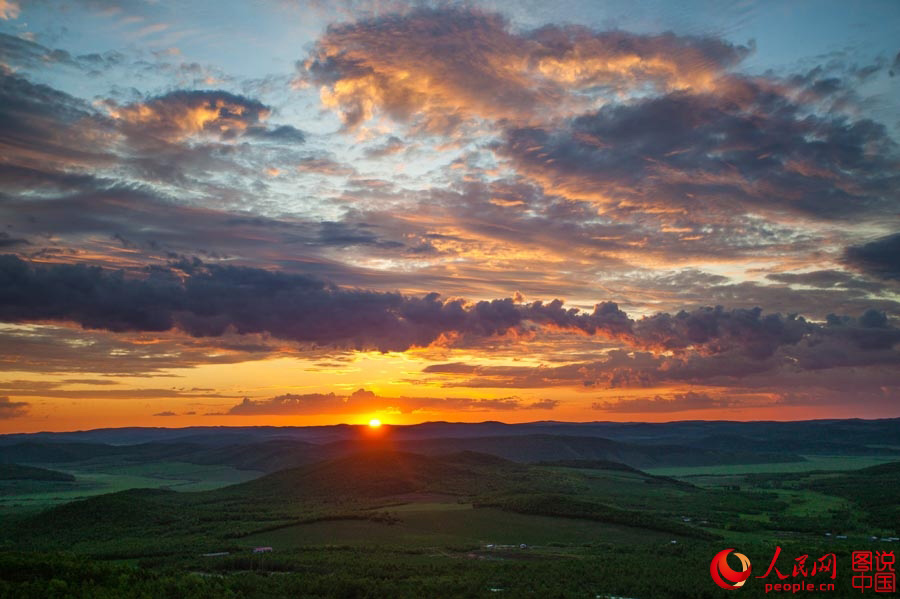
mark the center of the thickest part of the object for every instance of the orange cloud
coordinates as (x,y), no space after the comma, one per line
(9,9)
(438,68)
(183,114)
(364,401)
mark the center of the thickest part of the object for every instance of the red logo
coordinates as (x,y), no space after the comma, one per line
(723,575)
(874,570)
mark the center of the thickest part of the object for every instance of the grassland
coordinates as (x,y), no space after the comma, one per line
(810,463)
(91,479)
(395,524)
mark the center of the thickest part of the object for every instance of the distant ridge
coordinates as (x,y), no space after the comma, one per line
(639,445)
(278,454)
(853,431)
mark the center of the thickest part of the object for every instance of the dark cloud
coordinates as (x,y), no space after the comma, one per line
(209,300)
(717,348)
(7,241)
(344,234)
(43,128)
(167,413)
(23,53)
(280,134)
(745,148)
(122,222)
(880,258)
(184,113)
(716,330)
(361,401)
(88,295)
(12,409)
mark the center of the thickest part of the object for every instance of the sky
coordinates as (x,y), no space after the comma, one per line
(297,213)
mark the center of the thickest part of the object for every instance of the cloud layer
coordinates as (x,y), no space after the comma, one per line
(719,224)
(210,300)
(12,409)
(437,68)
(363,401)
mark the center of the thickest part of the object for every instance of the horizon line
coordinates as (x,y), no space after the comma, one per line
(427,422)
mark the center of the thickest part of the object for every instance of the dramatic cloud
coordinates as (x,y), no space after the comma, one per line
(730,349)
(362,401)
(53,141)
(121,223)
(43,127)
(428,180)
(880,258)
(181,114)
(208,301)
(716,330)
(436,68)
(12,409)
(746,148)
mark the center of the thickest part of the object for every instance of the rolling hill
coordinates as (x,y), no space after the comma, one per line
(19,472)
(277,454)
(142,521)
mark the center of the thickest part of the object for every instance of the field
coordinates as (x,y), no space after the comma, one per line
(28,495)
(366,520)
(810,463)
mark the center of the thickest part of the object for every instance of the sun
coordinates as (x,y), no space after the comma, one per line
(374,423)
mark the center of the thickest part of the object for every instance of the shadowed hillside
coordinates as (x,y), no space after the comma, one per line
(350,487)
(273,455)
(18,472)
